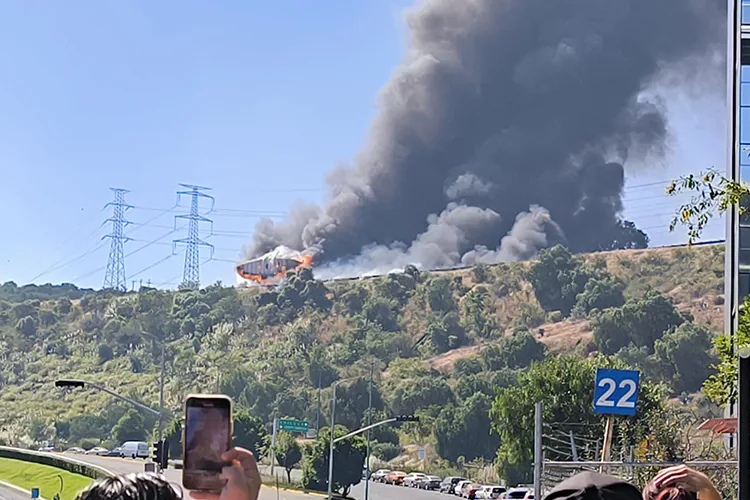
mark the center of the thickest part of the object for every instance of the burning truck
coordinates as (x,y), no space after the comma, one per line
(271,268)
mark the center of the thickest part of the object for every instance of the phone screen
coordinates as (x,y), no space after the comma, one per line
(207,437)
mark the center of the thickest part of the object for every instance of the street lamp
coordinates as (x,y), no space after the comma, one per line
(84,383)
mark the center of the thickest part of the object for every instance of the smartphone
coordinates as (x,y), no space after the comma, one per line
(207,434)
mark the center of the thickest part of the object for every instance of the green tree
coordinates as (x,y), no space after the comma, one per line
(130,427)
(249,432)
(558,277)
(474,310)
(288,452)
(348,458)
(465,431)
(385,433)
(386,451)
(440,295)
(721,387)
(517,351)
(687,354)
(413,394)
(382,311)
(599,293)
(640,321)
(564,385)
(173,434)
(26,326)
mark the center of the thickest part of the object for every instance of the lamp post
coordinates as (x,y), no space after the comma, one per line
(330,452)
(84,383)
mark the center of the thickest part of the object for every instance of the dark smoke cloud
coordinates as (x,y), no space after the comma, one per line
(500,105)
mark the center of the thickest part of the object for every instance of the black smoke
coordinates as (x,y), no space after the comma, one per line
(506,118)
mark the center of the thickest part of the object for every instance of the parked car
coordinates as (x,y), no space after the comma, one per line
(469,490)
(459,486)
(98,451)
(49,447)
(410,478)
(379,475)
(395,478)
(517,493)
(429,483)
(115,452)
(75,450)
(447,484)
(490,492)
(529,495)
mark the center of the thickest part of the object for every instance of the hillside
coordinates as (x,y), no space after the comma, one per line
(475,330)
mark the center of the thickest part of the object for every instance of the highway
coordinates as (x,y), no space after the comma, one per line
(127,465)
(11,494)
(377,491)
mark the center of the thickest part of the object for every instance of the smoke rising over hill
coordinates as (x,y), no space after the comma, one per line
(504,130)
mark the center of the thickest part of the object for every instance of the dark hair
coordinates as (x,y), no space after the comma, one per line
(140,486)
(676,492)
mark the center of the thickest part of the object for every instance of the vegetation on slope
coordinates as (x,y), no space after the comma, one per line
(453,347)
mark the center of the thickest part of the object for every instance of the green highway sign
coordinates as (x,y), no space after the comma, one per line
(293,425)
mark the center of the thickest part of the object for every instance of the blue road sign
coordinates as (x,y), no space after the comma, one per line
(616,391)
(34,492)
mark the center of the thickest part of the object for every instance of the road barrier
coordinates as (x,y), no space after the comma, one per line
(69,464)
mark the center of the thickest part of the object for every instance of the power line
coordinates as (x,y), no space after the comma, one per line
(114,277)
(191,273)
(155,264)
(67,263)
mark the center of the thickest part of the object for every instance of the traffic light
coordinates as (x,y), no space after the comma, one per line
(407,418)
(69,383)
(158,452)
(164,453)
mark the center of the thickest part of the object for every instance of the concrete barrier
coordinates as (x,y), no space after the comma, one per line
(53,460)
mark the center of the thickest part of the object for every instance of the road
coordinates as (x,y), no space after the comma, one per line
(377,491)
(11,494)
(127,465)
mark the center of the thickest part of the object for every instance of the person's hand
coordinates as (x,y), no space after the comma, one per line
(688,478)
(241,475)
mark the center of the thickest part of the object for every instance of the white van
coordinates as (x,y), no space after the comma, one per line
(134,449)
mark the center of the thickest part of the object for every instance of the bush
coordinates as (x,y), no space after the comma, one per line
(386,451)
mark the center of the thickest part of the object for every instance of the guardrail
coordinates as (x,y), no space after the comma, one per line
(65,463)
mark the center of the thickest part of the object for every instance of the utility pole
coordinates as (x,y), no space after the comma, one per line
(114,276)
(369,423)
(317,425)
(161,392)
(191,272)
(273,442)
(330,453)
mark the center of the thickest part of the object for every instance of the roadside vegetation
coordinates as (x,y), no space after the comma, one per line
(469,351)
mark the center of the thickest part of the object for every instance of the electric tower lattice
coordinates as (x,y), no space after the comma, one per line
(191,273)
(114,277)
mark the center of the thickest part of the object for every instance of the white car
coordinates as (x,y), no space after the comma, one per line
(490,492)
(98,451)
(379,475)
(459,487)
(411,477)
(518,493)
(75,450)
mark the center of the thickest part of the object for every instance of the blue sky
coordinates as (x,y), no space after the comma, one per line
(256,100)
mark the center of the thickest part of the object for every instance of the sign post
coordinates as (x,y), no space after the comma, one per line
(615,393)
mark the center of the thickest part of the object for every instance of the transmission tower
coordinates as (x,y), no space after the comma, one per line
(191,273)
(114,277)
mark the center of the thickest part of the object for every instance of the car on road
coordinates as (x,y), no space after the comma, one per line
(134,449)
(469,490)
(115,452)
(517,493)
(396,478)
(98,451)
(429,483)
(379,475)
(447,484)
(459,487)
(48,448)
(490,492)
(75,450)
(411,478)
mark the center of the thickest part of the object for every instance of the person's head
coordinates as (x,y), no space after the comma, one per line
(139,486)
(671,492)
(593,486)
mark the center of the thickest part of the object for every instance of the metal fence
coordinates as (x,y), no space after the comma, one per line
(723,473)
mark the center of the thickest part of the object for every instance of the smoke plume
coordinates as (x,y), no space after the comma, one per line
(499,106)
